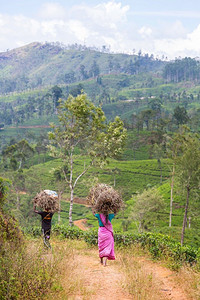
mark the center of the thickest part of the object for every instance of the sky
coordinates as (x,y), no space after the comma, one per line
(167,29)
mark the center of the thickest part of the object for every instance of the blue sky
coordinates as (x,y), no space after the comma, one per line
(163,28)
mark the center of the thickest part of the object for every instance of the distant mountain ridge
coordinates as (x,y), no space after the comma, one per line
(38,64)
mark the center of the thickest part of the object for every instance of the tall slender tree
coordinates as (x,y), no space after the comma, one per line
(83,125)
(188,170)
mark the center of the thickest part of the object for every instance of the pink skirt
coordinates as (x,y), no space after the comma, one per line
(106,243)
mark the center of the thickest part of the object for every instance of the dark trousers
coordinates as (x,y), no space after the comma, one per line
(46,231)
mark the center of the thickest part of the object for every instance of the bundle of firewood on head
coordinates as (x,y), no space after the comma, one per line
(104,199)
(47,200)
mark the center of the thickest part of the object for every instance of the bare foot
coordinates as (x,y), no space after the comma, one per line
(105,261)
(101,261)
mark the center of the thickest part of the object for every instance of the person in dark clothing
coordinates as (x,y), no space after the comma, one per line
(46,224)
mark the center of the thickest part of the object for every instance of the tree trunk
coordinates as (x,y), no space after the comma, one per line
(20,165)
(59,197)
(185,216)
(18,201)
(72,191)
(189,222)
(160,173)
(171,199)
(71,207)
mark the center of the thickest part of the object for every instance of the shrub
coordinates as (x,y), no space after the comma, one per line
(159,245)
(20,276)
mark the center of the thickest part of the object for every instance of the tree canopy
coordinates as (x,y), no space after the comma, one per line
(82,126)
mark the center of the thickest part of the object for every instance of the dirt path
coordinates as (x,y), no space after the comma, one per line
(81,224)
(165,278)
(101,283)
(105,282)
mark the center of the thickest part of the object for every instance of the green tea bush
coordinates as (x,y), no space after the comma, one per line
(160,246)
(34,231)
(91,237)
(68,232)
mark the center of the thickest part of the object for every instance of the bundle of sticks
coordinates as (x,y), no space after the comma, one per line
(105,199)
(47,200)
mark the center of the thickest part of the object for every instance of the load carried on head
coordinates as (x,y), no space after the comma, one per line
(104,199)
(47,200)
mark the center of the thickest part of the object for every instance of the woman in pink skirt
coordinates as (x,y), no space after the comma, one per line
(105,238)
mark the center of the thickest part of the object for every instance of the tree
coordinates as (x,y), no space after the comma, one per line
(4,184)
(83,72)
(188,170)
(147,207)
(181,116)
(17,154)
(18,184)
(147,116)
(56,95)
(159,154)
(77,90)
(69,77)
(59,179)
(83,125)
(173,145)
(94,71)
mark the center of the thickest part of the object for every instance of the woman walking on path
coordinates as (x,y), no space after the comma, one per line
(106,202)
(47,200)
(105,238)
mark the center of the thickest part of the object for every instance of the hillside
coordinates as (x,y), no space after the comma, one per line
(37,65)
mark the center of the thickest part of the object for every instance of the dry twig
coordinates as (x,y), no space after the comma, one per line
(46,201)
(104,199)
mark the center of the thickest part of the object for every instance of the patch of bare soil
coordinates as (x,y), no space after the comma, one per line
(82,224)
(79,201)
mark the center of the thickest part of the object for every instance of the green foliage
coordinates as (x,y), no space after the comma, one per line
(83,125)
(9,231)
(182,70)
(17,154)
(23,274)
(68,231)
(4,183)
(160,246)
(147,207)
(181,116)
(39,64)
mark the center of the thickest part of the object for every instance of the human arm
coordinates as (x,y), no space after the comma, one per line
(93,211)
(111,216)
(34,208)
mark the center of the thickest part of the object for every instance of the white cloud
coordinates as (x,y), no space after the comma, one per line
(169,13)
(145,32)
(175,30)
(179,47)
(51,11)
(104,24)
(79,30)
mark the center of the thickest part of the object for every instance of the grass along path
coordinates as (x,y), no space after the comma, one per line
(80,275)
(133,275)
